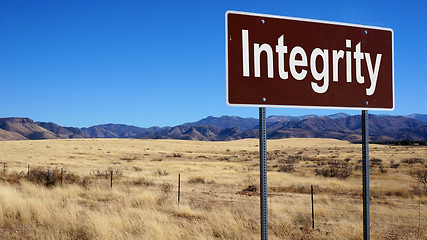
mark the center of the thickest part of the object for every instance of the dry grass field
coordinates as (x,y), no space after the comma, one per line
(219,189)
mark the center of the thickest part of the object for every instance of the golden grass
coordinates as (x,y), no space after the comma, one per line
(143,201)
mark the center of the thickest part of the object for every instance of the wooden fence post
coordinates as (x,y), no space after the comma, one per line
(111,183)
(312,207)
(179,188)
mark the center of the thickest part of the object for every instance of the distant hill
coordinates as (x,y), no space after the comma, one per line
(421,117)
(23,128)
(338,126)
(63,132)
(275,118)
(227,122)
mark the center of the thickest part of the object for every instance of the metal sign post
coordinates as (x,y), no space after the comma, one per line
(263,172)
(365,174)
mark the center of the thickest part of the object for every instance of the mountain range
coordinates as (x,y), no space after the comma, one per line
(382,128)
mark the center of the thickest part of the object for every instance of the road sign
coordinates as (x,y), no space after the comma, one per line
(275,61)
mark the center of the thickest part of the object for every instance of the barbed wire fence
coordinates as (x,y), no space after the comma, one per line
(326,214)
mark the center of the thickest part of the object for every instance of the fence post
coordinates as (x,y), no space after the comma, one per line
(4,167)
(111,184)
(179,188)
(419,219)
(312,207)
(28,173)
(61,176)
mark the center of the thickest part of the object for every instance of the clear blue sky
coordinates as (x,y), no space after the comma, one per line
(147,63)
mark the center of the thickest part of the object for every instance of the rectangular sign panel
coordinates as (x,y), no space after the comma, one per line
(274,61)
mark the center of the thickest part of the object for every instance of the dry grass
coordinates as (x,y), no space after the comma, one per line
(143,201)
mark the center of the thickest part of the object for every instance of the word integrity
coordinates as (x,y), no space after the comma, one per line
(300,63)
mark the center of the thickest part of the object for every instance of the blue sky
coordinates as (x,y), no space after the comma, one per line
(162,63)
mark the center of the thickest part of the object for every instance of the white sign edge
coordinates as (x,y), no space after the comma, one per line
(304,20)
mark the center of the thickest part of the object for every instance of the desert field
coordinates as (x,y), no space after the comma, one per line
(219,189)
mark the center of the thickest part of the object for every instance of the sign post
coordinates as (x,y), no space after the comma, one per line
(276,61)
(263,172)
(365,174)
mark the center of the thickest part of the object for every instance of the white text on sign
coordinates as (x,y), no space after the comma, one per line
(298,58)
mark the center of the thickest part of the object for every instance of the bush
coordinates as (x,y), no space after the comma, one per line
(130,158)
(51,177)
(382,170)
(375,161)
(335,168)
(160,173)
(294,159)
(142,182)
(165,189)
(413,161)
(251,188)
(106,173)
(419,190)
(419,175)
(197,180)
(394,165)
(287,168)
(303,221)
(137,169)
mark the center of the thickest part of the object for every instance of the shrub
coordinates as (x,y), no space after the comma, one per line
(142,181)
(137,169)
(419,190)
(100,173)
(129,158)
(419,175)
(70,178)
(375,161)
(413,161)
(160,173)
(294,158)
(287,168)
(196,180)
(394,165)
(165,189)
(106,173)
(251,188)
(382,170)
(303,221)
(335,168)
(116,172)
(49,177)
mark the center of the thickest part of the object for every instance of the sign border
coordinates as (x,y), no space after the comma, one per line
(304,20)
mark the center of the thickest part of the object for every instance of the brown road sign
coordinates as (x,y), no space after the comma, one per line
(275,61)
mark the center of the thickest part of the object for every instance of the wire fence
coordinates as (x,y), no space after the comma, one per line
(409,214)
